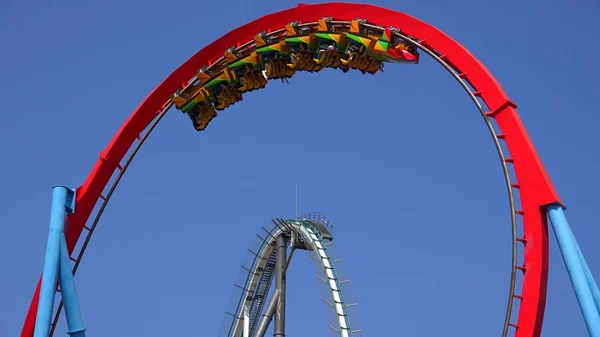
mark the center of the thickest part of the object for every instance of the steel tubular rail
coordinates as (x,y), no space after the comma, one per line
(535,188)
(505,171)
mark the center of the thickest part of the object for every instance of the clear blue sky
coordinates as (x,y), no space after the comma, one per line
(400,162)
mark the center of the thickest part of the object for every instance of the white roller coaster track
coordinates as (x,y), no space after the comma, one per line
(313,239)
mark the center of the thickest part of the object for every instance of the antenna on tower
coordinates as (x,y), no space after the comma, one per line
(296,199)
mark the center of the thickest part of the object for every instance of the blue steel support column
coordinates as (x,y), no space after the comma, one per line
(573,262)
(51,264)
(69,295)
(588,274)
(63,200)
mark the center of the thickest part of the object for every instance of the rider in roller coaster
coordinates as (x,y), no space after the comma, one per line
(301,48)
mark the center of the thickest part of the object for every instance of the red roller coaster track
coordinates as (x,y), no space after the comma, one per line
(536,189)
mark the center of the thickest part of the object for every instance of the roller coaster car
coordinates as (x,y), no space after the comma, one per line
(329,58)
(367,54)
(330,50)
(360,27)
(193,96)
(366,64)
(278,68)
(252,80)
(294,29)
(221,89)
(261,39)
(230,55)
(302,54)
(276,60)
(225,96)
(403,52)
(358,57)
(324,25)
(304,61)
(356,26)
(303,49)
(385,45)
(202,114)
(393,49)
(179,99)
(248,70)
(203,75)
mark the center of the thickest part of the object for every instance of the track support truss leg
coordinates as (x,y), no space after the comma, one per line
(280,264)
(263,325)
(586,289)
(57,268)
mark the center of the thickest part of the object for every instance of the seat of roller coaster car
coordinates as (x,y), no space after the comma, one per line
(399,51)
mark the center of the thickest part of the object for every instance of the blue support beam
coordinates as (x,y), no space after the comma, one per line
(581,277)
(588,274)
(69,295)
(58,267)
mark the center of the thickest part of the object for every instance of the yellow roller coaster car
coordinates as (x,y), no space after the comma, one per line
(202,114)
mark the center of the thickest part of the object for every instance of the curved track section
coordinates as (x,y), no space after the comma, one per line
(260,274)
(533,185)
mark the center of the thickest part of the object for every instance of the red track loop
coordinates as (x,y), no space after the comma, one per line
(536,189)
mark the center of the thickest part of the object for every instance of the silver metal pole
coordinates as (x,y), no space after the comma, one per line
(280,263)
(265,320)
